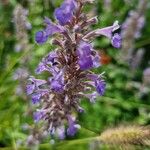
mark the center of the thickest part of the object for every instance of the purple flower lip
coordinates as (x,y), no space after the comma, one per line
(61,132)
(64,14)
(116,40)
(85,63)
(57,86)
(84,53)
(57,82)
(33,84)
(92,97)
(38,115)
(100,87)
(86,59)
(108,32)
(96,61)
(41,37)
(42,67)
(36,97)
(72,129)
(52,28)
(30,88)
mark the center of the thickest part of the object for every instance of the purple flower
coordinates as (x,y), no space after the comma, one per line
(51,58)
(61,132)
(57,86)
(41,37)
(30,88)
(92,77)
(92,97)
(96,61)
(100,86)
(36,98)
(80,109)
(33,84)
(51,28)
(116,40)
(108,32)
(57,82)
(84,49)
(64,13)
(85,62)
(73,127)
(98,83)
(41,67)
(38,115)
(48,64)
(69,77)
(84,53)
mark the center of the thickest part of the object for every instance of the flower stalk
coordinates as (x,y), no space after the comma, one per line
(69,67)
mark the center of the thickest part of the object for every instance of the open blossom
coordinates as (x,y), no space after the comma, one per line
(68,66)
(108,32)
(64,14)
(42,36)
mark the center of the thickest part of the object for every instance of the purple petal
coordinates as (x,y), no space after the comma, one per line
(39,82)
(84,53)
(96,61)
(100,86)
(84,49)
(57,86)
(108,30)
(34,84)
(51,28)
(57,82)
(92,97)
(116,40)
(41,37)
(80,109)
(92,77)
(30,88)
(61,132)
(50,58)
(36,98)
(38,115)
(85,62)
(41,67)
(72,129)
(64,13)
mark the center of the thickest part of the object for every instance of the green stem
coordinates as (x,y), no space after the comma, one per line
(116,101)
(142,43)
(5,74)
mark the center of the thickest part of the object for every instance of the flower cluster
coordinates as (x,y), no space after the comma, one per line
(22,25)
(70,78)
(131,30)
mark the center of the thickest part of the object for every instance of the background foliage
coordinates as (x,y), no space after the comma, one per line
(123,102)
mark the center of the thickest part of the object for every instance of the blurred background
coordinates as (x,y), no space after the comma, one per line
(127,72)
